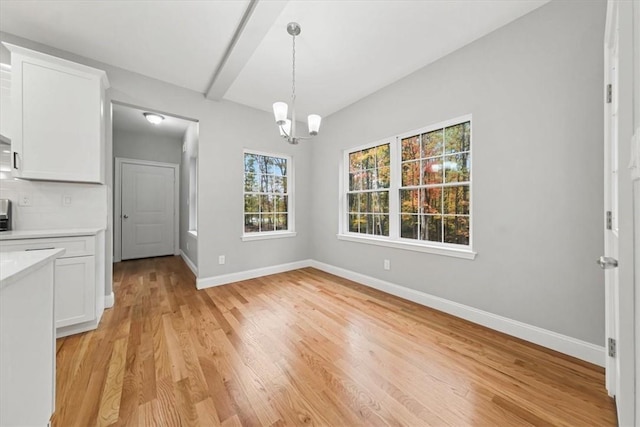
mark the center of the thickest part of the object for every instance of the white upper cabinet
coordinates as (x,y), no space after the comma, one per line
(58,118)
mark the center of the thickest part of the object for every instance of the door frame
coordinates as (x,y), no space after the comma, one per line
(117,215)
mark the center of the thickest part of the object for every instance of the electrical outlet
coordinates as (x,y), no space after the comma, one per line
(387,264)
(187,245)
(66,200)
(221,259)
(25,200)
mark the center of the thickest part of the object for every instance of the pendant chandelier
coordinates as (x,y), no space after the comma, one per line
(288,126)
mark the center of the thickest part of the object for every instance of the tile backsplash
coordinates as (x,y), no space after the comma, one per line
(38,205)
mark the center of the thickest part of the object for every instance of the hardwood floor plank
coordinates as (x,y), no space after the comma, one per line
(306,348)
(110,403)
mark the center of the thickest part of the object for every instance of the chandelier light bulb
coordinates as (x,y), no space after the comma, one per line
(280,112)
(314,124)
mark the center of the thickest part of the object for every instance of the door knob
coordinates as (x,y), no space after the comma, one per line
(125,216)
(607,262)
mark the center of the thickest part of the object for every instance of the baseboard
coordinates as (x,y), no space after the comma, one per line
(109,300)
(564,344)
(208,282)
(76,329)
(189,263)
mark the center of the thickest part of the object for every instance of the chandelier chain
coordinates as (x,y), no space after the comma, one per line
(293,84)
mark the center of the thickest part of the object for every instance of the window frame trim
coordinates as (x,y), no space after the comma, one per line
(394,240)
(275,234)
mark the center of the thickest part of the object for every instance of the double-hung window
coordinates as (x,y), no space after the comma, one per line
(267,195)
(412,192)
(368,193)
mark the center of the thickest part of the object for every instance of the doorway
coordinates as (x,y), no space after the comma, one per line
(154,186)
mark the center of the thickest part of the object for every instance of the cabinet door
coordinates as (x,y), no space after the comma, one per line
(75,290)
(60,125)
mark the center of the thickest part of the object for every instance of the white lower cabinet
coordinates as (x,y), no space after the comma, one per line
(75,290)
(79,283)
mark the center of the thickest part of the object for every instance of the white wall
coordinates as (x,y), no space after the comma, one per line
(188,242)
(87,209)
(534,88)
(143,146)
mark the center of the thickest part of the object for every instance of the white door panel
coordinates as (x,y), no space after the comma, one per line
(147,210)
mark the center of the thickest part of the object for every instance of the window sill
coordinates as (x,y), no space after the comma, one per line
(265,236)
(438,250)
(194,233)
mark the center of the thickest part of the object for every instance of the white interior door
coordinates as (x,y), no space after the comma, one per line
(148,207)
(618,235)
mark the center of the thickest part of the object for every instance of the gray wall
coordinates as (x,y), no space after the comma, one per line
(142,146)
(534,88)
(225,129)
(188,243)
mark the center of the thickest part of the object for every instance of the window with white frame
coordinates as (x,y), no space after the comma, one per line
(413,191)
(368,192)
(266,193)
(193,194)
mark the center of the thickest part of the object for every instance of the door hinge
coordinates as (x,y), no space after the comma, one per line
(612,347)
(609,90)
(609,220)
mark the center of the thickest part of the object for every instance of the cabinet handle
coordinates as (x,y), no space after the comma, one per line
(15,160)
(39,249)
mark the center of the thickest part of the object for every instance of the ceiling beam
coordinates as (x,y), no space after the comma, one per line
(254,25)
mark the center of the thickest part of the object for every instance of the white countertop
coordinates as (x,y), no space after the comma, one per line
(16,265)
(42,234)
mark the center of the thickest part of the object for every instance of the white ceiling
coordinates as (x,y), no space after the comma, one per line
(131,119)
(347,49)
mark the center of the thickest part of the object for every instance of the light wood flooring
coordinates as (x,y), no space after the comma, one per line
(305,348)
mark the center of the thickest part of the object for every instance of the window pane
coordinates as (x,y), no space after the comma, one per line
(431,228)
(457,167)
(409,226)
(456,200)
(279,166)
(250,163)
(369,158)
(370,225)
(381,225)
(431,199)
(369,179)
(432,143)
(352,200)
(355,181)
(251,203)
(353,223)
(383,177)
(281,222)
(355,161)
(411,173)
(383,156)
(266,222)
(266,203)
(432,171)
(279,184)
(458,138)
(456,229)
(409,201)
(365,202)
(383,200)
(411,148)
(280,203)
(251,182)
(251,223)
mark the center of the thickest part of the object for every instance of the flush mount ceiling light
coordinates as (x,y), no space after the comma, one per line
(288,126)
(153,118)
